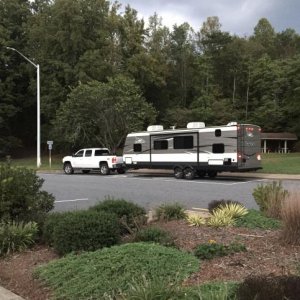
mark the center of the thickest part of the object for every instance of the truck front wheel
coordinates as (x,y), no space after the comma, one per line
(104,170)
(68,168)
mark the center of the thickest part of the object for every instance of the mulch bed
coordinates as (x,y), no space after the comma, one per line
(266,255)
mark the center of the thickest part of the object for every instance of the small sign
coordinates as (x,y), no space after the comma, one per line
(50,146)
(50,142)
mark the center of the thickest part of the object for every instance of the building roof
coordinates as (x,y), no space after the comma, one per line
(278,136)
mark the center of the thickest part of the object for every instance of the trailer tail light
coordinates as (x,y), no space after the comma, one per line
(239,156)
(114,160)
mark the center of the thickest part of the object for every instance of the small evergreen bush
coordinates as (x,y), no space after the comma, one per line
(214,204)
(51,222)
(131,216)
(269,288)
(110,270)
(213,249)
(270,198)
(291,219)
(16,236)
(169,212)
(20,196)
(85,231)
(255,219)
(156,235)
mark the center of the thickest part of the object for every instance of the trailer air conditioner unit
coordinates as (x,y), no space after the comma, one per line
(195,125)
(155,128)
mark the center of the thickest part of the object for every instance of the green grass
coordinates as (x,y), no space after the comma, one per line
(110,270)
(30,162)
(277,163)
(255,219)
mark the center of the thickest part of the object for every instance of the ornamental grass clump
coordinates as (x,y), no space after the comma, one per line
(16,237)
(220,218)
(291,219)
(169,212)
(234,210)
(270,198)
(195,220)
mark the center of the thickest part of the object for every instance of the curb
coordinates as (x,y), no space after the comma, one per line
(8,295)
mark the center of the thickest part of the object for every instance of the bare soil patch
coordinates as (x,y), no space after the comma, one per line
(265,255)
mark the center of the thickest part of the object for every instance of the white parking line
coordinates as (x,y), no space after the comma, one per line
(72,200)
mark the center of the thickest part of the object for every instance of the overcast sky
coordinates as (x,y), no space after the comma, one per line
(236,16)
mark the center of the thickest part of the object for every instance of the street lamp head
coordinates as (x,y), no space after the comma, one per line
(10,48)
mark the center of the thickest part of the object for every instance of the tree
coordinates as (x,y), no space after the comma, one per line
(102,114)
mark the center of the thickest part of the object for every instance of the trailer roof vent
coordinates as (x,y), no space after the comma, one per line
(155,128)
(232,124)
(195,125)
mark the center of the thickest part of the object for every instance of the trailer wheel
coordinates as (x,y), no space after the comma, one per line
(104,170)
(201,174)
(212,174)
(68,168)
(121,170)
(189,173)
(178,173)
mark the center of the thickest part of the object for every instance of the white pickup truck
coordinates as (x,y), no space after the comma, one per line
(93,159)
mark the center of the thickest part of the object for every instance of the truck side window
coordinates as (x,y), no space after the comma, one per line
(88,153)
(137,147)
(218,132)
(101,152)
(218,148)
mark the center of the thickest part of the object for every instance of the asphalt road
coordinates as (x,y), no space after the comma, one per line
(79,191)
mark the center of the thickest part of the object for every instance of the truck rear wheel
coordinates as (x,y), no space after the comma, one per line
(68,168)
(104,170)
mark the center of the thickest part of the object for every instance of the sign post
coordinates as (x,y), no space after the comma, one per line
(50,143)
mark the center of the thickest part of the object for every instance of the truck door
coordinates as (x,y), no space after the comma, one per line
(78,159)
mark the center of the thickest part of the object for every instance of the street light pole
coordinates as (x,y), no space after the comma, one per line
(37,66)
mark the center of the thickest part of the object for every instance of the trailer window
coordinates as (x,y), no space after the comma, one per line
(218,148)
(184,142)
(137,147)
(161,144)
(218,132)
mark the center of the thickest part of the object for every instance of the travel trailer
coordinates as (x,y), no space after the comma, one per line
(195,150)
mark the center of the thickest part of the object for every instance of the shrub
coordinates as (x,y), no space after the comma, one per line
(85,230)
(16,236)
(20,196)
(269,288)
(156,235)
(213,249)
(255,219)
(170,212)
(212,205)
(220,218)
(270,198)
(195,220)
(131,215)
(51,222)
(111,269)
(291,219)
